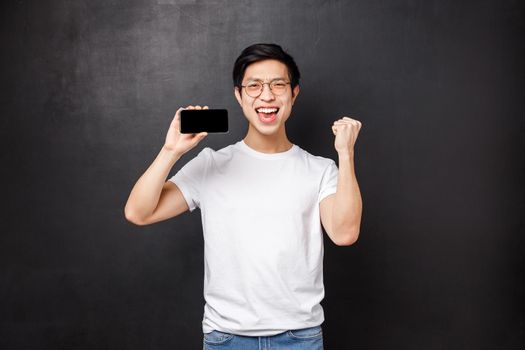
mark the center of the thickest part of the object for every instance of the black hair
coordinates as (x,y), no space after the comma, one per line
(260,52)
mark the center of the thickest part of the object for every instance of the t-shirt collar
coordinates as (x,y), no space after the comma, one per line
(280,155)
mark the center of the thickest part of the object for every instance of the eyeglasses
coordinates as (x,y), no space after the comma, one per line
(255,88)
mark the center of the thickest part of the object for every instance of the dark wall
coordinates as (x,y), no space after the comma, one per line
(88,92)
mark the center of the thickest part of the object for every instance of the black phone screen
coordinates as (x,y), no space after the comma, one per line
(198,120)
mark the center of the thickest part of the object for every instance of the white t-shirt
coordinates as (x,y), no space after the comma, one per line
(263,242)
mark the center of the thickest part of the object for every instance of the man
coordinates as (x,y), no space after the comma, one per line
(262,200)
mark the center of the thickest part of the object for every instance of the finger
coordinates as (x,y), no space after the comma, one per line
(205,107)
(198,137)
(177,113)
(176,117)
(198,107)
(190,107)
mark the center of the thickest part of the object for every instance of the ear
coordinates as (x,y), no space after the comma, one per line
(237,95)
(296,90)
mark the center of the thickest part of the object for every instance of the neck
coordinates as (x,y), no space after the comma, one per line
(275,143)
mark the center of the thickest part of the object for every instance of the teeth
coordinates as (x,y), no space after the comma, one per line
(267,110)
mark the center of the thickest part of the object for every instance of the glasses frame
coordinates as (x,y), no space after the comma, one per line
(269,86)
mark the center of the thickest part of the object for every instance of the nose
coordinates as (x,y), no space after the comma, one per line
(266,93)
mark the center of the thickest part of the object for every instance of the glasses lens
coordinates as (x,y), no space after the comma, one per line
(254,89)
(278,87)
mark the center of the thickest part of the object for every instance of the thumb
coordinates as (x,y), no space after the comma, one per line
(200,136)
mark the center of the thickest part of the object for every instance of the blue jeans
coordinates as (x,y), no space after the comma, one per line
(296,339)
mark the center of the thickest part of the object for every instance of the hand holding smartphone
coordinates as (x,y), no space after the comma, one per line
(178,143)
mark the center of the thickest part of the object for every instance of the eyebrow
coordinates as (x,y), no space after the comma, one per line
(253,78)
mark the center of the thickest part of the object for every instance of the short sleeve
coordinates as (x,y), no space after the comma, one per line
(189,178)
(328,181)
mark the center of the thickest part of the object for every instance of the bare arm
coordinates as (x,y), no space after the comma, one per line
(341,212)
(154,199)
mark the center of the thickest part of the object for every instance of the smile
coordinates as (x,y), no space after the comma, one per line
(267,110)
(267,115)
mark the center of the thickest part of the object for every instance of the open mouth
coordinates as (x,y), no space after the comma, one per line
(267,114)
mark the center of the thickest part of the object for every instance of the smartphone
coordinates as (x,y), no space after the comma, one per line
(193,121)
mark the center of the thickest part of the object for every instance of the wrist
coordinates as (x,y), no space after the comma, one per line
(346,154)
(169,151)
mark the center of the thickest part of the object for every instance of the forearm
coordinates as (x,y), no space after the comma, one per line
(347,209)
(145,195)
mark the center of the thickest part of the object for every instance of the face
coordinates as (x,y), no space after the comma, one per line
(266,71)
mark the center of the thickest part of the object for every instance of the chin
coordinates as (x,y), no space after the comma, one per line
(268,132)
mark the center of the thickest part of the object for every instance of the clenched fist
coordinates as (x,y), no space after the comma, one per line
(345,130)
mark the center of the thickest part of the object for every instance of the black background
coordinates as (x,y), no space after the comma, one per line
(88,92)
